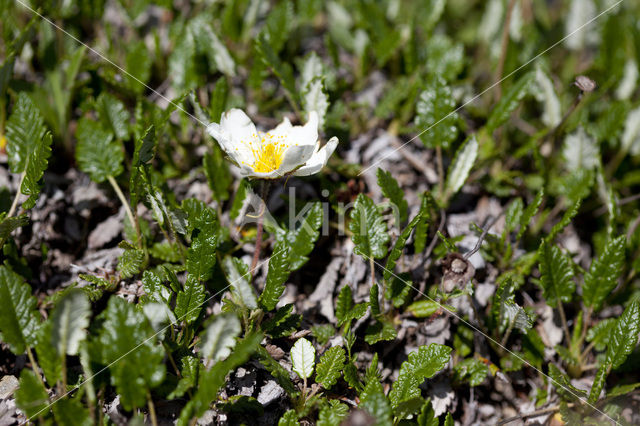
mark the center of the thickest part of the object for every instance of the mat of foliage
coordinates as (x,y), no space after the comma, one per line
(469,255)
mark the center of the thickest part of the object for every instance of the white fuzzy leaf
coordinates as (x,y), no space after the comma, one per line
(580,12)
(547,96)
(631,135)
(219,338)
(580,151)
(629,80)
(303,356)
(70,319)
(315,99)
(461,166)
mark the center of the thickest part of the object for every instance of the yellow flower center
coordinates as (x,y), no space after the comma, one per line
(269,156)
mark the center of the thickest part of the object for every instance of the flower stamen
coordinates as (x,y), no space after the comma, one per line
(269,155)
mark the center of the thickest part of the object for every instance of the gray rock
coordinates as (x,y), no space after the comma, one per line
(8,386)
(270,392)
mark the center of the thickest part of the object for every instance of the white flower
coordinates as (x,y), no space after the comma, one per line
(279,152)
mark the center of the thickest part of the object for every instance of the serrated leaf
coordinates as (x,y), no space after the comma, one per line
(238,276)
(330,367)
(130,262)
(217,173)
(566,220)
(208,42)
(31,396)
(513,215)
(18,316)
(374,302)
(113,114)
(427,416)
(369,231)
(71,412)
(472,371)
(70,319)
(461,166)
(600,333)
(201,256)
(10,224)
(302,239)
(145,146)
(332,414)
(377,405)
(36,165)
(422,227)
(421,365)
(624,335)
(277,275)
(289,418)
(181,64)
(219,337)
(189,301)
(580,151)
(283,322)
(507,312)
(529,212)
(314,98)
(24,131)
(303,358)
(380,331)
(563,385)
(345,308)
(398,247)
(509,102)
(423,308)
(603,273)
(435,115)
(97,153)
(282,71)
(444,57)
(598,383)
(126,343)
(394,193)
(556,275)
(48,358)
(212,380)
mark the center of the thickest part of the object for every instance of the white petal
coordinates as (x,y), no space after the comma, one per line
(224,141)
(319,159)
(295,156)
(247,171)
(242,131)
(305,135)
(281,129)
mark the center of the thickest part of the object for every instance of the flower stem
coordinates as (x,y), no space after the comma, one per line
(152,410)
(264,192)
(14,205)
(127,208)
(563,318)
(35,366)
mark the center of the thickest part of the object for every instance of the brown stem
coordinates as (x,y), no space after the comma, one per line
(35,366)
(532,414)
(440,171)
(14,205)
(563,319)
(256,253)
(152,410)
(503,49)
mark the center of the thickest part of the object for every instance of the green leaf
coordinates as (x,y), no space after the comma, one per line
(238,276)
(444,57)
(289,418)
(398,247)
(181,64)
(563,385)
(201,256)
(283,322)
(332,414)
(427,416)
(507,311)
(370,234)
(138,63)
(70,319)
(394,193)
(219,337)
(126,343)
(218,175)
(211,381)
(472,371)
(556,275)
(509,102)
(10,224)
(130,261)
(598,383)
(381,330)
(48,358)
(71,412)
(376,404)
(421,365)
(277,275)
(603,273)
(345,309)
(36,165)
(330,367)
(114,116)
(461,166)
(600,333)
(624,335)
(566,220)
(422,227)
(303,358)
(423,308)
(435,115)
(189,301)
(24,131)
(302,239)
(208,43)
(513,215)
(31,396)
(529,212)
(314,98)
(282,70)
(18,316)
(374,301)
(145,146)
(97,153)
